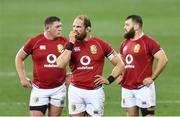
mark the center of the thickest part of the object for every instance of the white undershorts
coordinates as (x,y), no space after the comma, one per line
(55,96)
(81,100)
(144,97)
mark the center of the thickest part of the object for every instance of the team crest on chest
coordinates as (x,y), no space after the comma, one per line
(137,48)
(60,48)
(93,49)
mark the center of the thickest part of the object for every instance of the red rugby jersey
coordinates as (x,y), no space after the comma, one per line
(138,58)
(44,54)
(87,60)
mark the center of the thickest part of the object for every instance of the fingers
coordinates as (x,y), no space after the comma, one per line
(26,83)
(99,80)
(147,82)
(72,36)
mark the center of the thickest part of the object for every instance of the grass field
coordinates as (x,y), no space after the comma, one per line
(21,19)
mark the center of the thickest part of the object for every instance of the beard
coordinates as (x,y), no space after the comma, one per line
(81,36)
(130,34)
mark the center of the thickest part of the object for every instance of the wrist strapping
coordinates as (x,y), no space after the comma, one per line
(70,46)
(110,79)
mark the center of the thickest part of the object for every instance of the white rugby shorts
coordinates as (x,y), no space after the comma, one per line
(91,101)
(55,96)
(144,97)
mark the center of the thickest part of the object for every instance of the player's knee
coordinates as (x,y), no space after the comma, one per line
(147,111)
(42,108)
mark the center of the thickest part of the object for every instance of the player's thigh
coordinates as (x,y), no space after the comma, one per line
(38,97)
(128,98)
(58,97)
(95,102)
(145,97)
(54,110)
(76,103)
(38,101)
(132,111)
(36,113)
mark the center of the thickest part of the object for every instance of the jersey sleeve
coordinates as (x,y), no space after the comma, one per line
(121,48)
(153,46)
(107,48)
(28,46)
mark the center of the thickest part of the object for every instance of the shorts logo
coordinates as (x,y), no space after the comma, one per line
(73,107)
(137,48)
(36,100)
(96,112)
(93,49)
(124,101)
(62,102)
(144,103)
(60,48)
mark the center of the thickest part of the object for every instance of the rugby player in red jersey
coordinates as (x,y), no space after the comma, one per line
(86,55)
(48,88)
(138,51)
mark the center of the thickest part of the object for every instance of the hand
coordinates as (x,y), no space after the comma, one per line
(100,80)
(26,82)
(147,81)
(72,36)
(119,79)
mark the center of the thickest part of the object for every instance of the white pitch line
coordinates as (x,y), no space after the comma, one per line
(12,74)
(158,102)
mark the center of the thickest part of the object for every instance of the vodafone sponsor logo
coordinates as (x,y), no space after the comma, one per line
(85,61)
(129,60)
(51,59)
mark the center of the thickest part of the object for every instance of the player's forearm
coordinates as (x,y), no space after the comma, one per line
(161,63)
(118,69)
(20,68)
(64,58)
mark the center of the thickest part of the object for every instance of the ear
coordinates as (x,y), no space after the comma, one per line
(136,27)
(47,27)
(88,29)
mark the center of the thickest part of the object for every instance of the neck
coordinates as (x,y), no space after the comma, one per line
(88,36)
(138,35)
(48,36)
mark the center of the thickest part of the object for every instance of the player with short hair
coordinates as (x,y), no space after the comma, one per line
(85,55)
(48,87)
(138,51)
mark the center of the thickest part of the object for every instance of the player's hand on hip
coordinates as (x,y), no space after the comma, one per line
(72,36)
(26,82)
(100,80)
(147,81)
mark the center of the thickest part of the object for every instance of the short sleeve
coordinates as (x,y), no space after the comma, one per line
(107,48)
(28,46)
(121,48)
(153,46)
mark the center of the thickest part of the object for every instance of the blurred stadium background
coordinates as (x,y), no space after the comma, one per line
(21,19)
